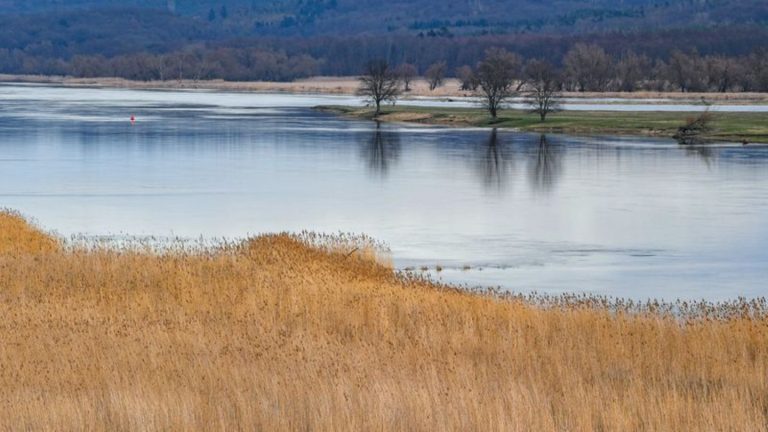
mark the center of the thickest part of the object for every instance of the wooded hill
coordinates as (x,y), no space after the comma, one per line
(446,17)
(286,39)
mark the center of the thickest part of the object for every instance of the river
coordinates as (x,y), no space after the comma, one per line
(627,217)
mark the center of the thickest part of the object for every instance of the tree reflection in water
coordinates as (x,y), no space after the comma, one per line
(545,166)
(381,150)
(494,165)
(704,152)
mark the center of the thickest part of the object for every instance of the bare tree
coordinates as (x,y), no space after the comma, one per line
(589,67)
(136,67)
(722,73)
(631,69)
(687,71)
(658,76)
(160,65)
(179,64)
(466,75)
(407,72)
(757,75)
(90,66)
(543,83)
(435,75)
(379,84)
(496,77)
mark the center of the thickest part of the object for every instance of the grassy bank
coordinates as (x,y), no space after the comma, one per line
(295,333)
(734,127)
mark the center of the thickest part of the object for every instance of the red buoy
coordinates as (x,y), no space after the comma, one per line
(133,120)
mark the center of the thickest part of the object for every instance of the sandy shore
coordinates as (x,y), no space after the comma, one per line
(349,85)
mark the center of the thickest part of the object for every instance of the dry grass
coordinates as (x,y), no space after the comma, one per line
(314,85)
(275,334)
(18,235)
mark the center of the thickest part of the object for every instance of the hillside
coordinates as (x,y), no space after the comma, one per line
(284,40)
(449,17)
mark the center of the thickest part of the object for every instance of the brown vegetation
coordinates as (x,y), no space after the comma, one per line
(295,333)
(695,130)
(17,235)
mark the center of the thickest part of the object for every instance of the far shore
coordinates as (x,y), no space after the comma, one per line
(349,86)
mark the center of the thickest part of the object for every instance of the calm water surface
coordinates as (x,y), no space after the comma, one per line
(625,217)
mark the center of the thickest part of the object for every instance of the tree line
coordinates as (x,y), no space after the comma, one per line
(589,68)
(583,68)
(133,39)
(196,63)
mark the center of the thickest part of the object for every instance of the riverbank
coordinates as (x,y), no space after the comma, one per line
(284,332)
(350,85)
(726,127)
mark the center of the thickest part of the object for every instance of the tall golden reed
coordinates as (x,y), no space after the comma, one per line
(275,334)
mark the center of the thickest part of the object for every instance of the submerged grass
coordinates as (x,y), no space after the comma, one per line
(737,127)
(285,332)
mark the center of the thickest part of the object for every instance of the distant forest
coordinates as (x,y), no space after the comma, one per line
(701,45)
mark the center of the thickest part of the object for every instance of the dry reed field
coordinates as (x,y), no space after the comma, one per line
(288,332)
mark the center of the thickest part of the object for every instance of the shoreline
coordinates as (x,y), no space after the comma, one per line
(348,86)
(738,127)
(750,128)
(29,236)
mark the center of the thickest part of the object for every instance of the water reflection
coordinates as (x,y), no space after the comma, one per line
(495,163)
(640,218)
(381,151)
(545,166)
(703,152)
